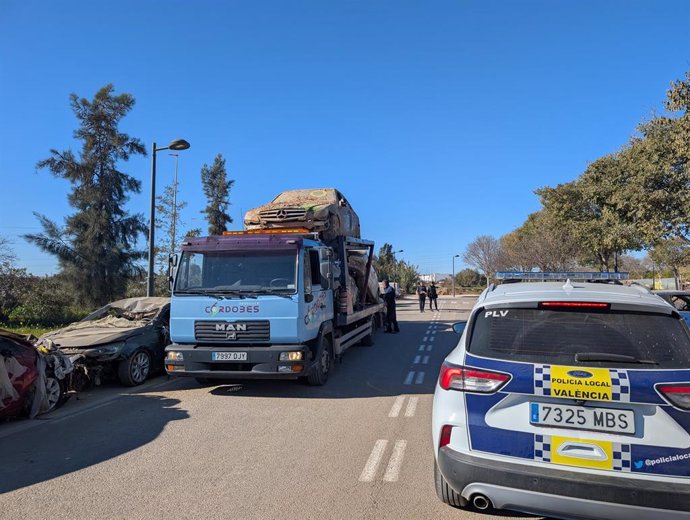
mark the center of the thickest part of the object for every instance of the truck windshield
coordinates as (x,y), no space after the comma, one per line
(237,272)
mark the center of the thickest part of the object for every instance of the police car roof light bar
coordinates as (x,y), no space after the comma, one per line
(559,276)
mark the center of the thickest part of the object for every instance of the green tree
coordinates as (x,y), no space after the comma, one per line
(385,263)
(469,278)
(217,191)
(96,248)
(673,255)
(407,276)
(168,221)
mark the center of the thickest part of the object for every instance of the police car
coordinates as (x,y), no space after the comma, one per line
(568,399)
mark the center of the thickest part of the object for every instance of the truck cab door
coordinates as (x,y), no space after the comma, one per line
(318,306)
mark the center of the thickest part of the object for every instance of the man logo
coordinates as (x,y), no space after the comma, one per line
(231,327)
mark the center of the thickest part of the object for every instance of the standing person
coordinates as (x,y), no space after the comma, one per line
(421,292)
(433,297)
(391,318)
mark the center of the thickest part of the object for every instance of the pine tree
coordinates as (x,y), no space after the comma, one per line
(217,190)
(168,221)
(96,248)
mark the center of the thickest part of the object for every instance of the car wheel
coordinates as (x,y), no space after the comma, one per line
(135,369)
(369,339)
(320,370)
(55,393)
(447,494)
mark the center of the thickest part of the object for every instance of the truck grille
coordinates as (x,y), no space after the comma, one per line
(283,214)
(232,331)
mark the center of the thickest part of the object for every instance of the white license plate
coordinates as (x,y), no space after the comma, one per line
(582,418)
(229,356)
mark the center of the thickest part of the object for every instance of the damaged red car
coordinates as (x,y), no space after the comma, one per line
(32,379)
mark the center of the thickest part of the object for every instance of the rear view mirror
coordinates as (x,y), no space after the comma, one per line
(459,327)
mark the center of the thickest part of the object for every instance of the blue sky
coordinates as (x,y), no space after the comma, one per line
(436,119)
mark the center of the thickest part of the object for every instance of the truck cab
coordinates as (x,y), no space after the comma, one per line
(250,305)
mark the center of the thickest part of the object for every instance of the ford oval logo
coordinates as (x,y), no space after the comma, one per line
(580,373)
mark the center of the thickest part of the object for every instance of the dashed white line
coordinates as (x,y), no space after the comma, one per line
(416,360)
(422,347)
(424,338)
(397,406)
(409,378)
(369,471)
(432,338)
(395,462)
(433,332)
(429,347)
(425,361)
(411,406)
(420,378)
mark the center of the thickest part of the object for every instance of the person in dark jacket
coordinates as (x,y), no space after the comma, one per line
(432,294)
(421,292)
(389,299)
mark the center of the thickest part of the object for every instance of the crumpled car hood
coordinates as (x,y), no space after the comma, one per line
(97,332)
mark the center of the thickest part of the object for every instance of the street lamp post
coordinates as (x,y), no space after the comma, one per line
(177,144)
(393,253)
(453,277)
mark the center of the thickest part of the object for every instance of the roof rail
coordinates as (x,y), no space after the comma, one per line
(545,276)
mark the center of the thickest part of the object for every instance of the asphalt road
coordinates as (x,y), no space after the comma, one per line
(358,447)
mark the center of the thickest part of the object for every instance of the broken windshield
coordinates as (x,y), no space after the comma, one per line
(236,272)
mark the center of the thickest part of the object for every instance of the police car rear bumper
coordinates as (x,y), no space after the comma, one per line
(562,493)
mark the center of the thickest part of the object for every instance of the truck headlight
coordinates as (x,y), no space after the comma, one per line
(174,356)
(290,356)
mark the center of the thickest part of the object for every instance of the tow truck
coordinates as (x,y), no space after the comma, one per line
(269,304)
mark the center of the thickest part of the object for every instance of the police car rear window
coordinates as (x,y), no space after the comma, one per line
(553,336)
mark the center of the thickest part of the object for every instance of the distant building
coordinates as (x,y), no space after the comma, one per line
(434,277)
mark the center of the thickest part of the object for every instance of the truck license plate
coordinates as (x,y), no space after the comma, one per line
(229,356)
(581,418)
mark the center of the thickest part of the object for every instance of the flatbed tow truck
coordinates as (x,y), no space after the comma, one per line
(269,304)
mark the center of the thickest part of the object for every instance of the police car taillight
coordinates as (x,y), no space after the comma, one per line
(466,379)
(678,394)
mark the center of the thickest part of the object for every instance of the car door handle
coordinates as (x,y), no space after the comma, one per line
(582,450)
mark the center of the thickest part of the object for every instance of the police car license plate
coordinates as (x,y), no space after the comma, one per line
(582,418)
(229,356)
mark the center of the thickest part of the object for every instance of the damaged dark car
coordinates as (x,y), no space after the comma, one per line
(125,339)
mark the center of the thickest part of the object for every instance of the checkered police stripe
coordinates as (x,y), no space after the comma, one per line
(542,379)
(542,448)
(620,385)
(621,457)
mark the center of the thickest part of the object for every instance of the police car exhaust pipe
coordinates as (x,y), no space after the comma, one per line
(481,502)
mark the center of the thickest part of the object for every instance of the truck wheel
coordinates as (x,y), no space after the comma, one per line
(369,339)
(135,369)
(447,494)
(318,375)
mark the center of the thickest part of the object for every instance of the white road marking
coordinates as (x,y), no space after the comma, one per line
(420,378)
(429,347)
(432,338)
(424,338)
(369,471)
(416,360)
(433,332)
(411,406)
(425,361)
(395,462)
(397,406)
(422,347)
(409,378)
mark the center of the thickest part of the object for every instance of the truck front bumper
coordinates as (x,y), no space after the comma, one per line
(260,363)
